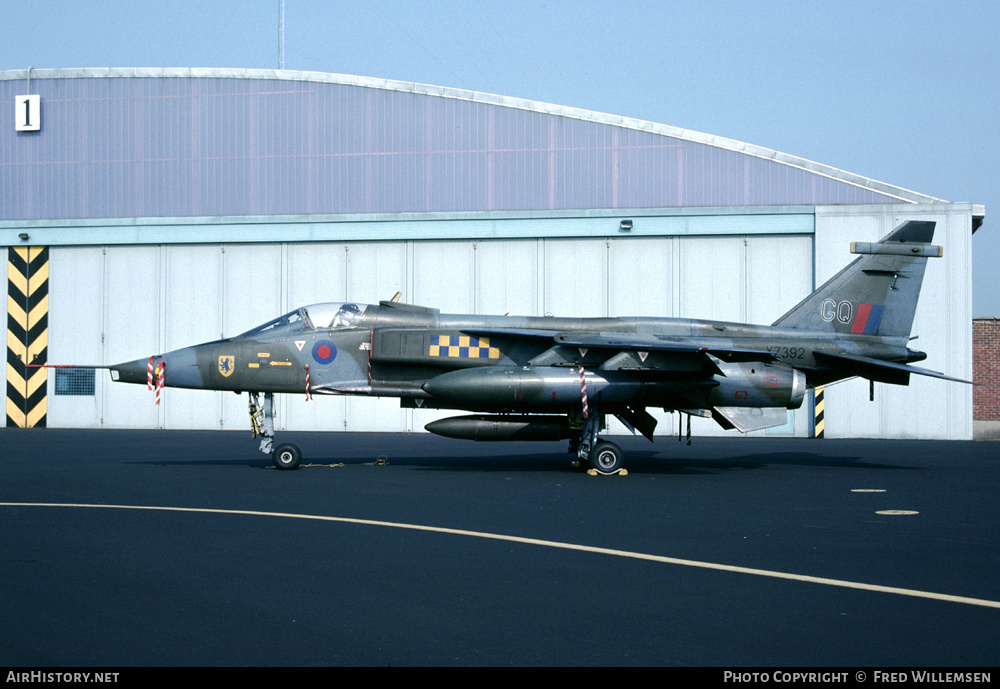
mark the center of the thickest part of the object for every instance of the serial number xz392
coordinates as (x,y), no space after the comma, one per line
(788,352)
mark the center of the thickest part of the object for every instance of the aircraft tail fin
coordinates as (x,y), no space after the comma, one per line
(877,293)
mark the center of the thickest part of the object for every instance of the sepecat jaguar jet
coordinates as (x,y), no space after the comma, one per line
(531,378)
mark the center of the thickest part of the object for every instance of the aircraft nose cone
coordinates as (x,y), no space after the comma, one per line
(130,371)
(180,369)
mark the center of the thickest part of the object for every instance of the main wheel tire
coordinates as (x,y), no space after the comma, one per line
(606,458)
(286,456)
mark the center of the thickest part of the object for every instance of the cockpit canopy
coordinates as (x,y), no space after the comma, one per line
(334,315)
(329,316)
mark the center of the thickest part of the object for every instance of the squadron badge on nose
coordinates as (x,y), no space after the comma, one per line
(227,362)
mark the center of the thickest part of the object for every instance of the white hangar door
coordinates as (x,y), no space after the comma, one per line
(104,307)
(76,327)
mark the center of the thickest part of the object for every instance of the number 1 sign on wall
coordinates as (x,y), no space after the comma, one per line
(28,113)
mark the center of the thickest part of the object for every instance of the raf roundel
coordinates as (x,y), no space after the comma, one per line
(324,352)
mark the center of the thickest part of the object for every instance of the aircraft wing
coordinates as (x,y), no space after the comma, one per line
(514,333)
(690,369)
(641,344)
(627,342)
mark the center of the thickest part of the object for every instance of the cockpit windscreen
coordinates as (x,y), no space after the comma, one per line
(334,315)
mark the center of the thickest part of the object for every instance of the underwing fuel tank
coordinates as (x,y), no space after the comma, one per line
(524,388)
(496,428)
(528,389)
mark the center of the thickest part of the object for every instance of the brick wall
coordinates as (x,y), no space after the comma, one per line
(986,369)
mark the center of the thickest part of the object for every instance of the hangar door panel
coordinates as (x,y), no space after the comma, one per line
(443,275)
(507,277)
(779,275)
(132,322)
(376,271)
(314,273)
(712,278)
(76,318)
(640,277)
(576,277)
(192,314)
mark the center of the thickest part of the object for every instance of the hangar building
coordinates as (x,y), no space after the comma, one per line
(148,209)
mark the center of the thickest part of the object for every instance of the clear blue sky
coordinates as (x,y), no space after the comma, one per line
(902,91)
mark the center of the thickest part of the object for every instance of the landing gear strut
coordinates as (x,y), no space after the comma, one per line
(286,455)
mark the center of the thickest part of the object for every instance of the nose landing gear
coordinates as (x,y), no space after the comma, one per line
(286,456)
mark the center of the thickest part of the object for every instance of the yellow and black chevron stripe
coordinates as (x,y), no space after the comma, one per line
(818,407)
(27,335)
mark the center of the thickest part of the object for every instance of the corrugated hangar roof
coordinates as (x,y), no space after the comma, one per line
(120,143)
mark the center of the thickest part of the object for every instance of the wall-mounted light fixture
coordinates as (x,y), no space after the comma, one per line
(625,226)
(23,236)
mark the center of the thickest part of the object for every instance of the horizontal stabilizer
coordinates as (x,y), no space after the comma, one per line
(891,372)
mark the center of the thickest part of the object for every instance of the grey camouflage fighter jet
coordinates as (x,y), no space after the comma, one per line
(529,378)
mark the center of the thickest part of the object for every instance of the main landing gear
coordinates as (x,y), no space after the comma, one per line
(602,456)
(284,456)
(606,457)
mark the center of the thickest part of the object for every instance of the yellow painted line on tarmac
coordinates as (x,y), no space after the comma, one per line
(548,544)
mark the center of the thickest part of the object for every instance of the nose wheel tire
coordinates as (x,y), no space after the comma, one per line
(606,458)
(286,456)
